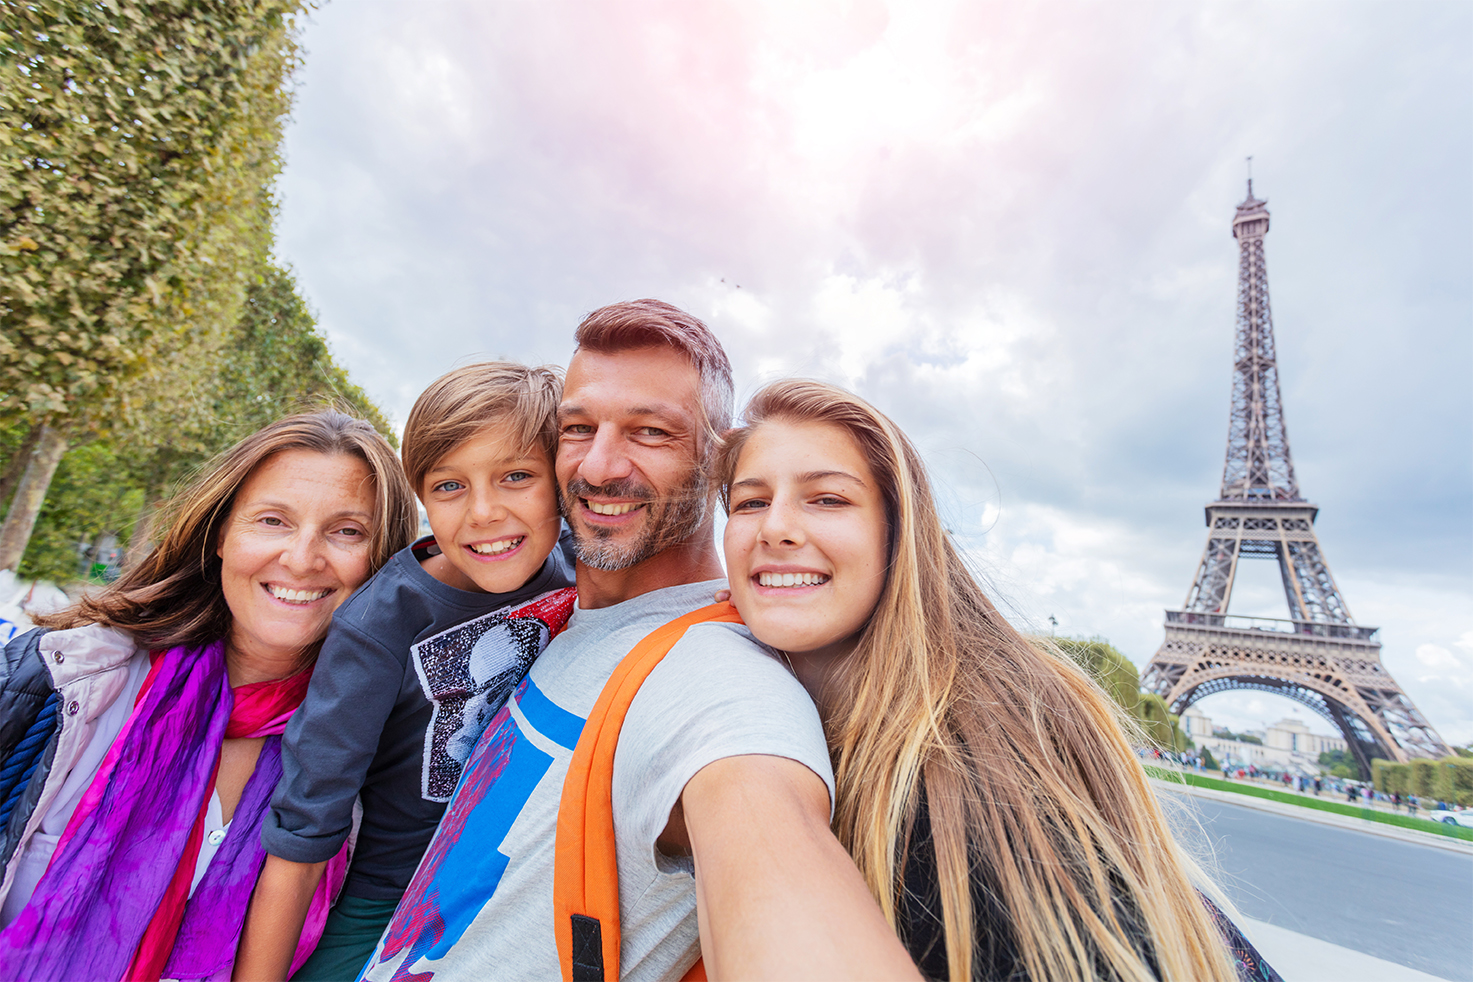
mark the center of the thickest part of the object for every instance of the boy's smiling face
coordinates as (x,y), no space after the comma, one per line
(493,509)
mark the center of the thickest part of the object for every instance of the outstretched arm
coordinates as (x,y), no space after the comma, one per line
(776,894)
(274,920)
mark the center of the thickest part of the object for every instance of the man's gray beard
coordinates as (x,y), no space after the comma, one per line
(681,514)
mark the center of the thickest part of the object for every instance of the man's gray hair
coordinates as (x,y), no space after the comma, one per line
(654,323)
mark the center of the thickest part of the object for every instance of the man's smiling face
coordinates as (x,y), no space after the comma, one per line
(629,454)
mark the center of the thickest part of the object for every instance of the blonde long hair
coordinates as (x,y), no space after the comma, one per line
(1028,774)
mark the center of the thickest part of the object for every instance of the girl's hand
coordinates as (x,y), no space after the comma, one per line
(722,596)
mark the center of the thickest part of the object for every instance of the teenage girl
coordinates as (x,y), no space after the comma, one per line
(986,787)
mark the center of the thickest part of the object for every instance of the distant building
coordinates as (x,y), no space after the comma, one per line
(1196,723)
(1290,734)
(1287,744)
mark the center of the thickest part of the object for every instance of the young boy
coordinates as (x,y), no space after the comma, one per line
(415,665)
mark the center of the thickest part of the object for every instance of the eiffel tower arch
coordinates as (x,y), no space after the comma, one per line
(1318,656)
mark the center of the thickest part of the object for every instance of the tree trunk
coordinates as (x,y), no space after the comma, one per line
(16,464)
(29,494)
(141,542)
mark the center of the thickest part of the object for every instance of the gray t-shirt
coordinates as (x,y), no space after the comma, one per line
(480,904)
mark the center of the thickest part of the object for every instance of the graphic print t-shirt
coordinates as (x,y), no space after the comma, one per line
(480,905)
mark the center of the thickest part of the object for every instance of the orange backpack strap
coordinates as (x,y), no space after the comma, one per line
(585,888)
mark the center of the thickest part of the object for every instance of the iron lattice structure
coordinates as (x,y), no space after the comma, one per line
(1319,656)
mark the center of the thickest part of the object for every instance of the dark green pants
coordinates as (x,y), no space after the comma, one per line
(353,928)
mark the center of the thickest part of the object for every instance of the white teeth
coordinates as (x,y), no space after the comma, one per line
(791,579)
(598,508)
(297,596)
(492,548)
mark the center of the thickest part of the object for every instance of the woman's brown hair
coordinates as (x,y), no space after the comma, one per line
(1029,777)
(173,597)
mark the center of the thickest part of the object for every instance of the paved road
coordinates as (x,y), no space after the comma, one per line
(1407,903)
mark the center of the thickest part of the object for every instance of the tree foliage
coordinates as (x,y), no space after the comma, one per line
(138,143)
(1160,723)
(89,499)
(1107,666)
(1340,763)
(1118,677)
(274,361)
(277,362)
(1449,779)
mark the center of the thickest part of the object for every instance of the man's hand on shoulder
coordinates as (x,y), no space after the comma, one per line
(777,896)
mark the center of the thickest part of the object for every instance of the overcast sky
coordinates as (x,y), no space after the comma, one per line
(1008,225)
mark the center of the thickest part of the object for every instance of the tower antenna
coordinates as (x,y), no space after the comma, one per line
(1250,175)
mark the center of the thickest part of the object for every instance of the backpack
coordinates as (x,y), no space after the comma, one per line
(585,891)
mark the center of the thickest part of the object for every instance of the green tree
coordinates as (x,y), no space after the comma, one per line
(1118,677)
(1455,780)
(1340,763)
(1389,777)
(1160,723)
(274,362)
(90,499)
(1422,777)
(1209,761)
(1107,666)
(138,144)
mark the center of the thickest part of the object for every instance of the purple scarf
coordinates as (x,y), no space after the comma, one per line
(131,835)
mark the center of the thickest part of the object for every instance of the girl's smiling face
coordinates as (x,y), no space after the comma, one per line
(807,539)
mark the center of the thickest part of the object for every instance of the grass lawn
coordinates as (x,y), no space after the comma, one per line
(1370,815)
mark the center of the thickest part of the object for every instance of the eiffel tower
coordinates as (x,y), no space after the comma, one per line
(1319,656)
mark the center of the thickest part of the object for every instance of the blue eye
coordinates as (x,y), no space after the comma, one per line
(517,477)
(449,487)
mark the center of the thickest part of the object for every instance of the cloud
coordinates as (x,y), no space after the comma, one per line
(1436,656)
(1008,228)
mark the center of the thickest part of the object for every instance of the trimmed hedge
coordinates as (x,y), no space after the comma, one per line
(1369,814)
(1449,779)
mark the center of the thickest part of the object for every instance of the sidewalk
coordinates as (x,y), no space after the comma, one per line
(1322,817)
(1301,958)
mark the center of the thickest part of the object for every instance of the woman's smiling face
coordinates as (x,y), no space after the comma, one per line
(295,545)
(807,538)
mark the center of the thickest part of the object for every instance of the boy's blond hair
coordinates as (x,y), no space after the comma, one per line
(521,400)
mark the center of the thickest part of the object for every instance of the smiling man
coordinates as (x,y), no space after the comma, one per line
(721,784)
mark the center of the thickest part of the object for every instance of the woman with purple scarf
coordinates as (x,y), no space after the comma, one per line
(140,729)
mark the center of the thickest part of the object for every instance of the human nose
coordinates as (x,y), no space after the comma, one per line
(781,524)
(606,459)
(304,552)
(486,508)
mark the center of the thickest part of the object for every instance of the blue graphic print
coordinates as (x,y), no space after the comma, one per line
(499,778)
